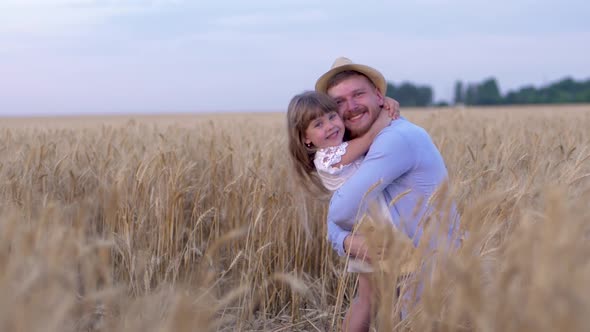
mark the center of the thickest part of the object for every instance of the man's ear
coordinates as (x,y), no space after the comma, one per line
(381,98)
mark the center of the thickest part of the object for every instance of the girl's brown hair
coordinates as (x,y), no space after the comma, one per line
(303,109)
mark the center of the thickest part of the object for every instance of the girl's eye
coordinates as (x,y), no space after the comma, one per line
(317,124)
(332,116)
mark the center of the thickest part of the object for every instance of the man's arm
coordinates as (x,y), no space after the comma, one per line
(390,156)
(344,242)
(336,236)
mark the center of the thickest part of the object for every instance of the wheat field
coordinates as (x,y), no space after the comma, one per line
(195,223)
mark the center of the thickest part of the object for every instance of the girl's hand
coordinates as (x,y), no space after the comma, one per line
(392,107)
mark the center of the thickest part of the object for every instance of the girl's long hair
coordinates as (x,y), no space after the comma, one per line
(303,109)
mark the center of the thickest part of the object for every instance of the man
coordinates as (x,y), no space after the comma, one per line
(401,159)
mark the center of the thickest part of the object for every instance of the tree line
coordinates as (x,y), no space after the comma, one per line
(488,92)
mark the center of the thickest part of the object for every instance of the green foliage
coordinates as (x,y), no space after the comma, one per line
(409,95)
(487,92)
(459,93)
(471,94)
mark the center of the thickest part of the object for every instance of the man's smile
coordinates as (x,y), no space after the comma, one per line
(354,117)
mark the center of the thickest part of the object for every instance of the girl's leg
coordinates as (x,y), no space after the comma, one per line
(358,316)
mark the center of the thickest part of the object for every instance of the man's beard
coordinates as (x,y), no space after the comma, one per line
(353,133)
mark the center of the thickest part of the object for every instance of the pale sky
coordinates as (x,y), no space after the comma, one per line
(107,56)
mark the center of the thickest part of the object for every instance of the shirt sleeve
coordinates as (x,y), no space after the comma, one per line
(391,155)
(336,236)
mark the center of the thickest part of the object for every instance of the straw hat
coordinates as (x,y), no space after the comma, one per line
(343,64)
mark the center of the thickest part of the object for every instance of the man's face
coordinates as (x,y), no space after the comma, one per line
(359,103)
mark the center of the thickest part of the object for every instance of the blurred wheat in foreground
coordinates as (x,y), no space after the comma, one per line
(195,223)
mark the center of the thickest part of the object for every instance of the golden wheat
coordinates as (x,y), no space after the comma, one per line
(174,223)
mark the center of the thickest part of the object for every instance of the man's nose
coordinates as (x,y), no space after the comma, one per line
(351,104)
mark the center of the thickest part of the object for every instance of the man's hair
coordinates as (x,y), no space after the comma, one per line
(341,76)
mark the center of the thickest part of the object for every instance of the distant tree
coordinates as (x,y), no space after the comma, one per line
(410,95)
(566,90)
(390,90)
(488,93)
(459,93)
(424,96)
(471,95)
(528,95)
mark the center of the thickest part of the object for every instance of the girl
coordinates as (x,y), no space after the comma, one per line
(321,157)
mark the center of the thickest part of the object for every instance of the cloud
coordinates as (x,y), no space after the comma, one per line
(269,18)
(141,54)
(42,17)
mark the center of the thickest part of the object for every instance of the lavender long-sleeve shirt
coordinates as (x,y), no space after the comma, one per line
(403,157)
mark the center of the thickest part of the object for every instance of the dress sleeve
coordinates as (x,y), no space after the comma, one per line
(326,158)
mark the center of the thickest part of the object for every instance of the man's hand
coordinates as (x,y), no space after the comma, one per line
(392,107)
(356,246)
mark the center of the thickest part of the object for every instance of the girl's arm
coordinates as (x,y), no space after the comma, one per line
(359,146)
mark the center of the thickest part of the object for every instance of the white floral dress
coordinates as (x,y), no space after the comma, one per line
(333,177)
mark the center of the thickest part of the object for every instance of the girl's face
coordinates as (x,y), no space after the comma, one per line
(325,131)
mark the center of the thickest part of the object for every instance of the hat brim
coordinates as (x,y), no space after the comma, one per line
(375,76)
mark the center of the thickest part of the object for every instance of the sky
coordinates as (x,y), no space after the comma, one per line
(158,56)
